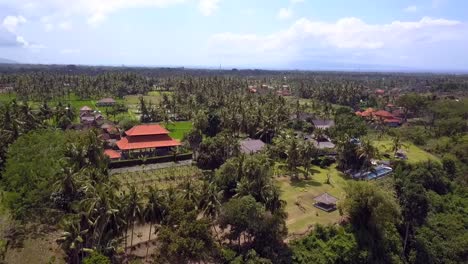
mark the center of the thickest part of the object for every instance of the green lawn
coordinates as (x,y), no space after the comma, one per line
(7,97)
(153,97)
(414,153)
(179,129)
(299,198)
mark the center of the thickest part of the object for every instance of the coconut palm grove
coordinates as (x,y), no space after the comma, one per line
(172,165)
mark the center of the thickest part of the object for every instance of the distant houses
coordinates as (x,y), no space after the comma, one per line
(380,115)
(106,102)
(251,146)
(89,117)
(323,123)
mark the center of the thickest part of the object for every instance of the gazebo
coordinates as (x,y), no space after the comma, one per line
(325,202)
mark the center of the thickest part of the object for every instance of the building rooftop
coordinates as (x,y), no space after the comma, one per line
(106,100)
(146,142)
(112,154)
(86,108)
(249,145)
(383,113)
(146,130)
(326,198)
(320,123)
(324,144)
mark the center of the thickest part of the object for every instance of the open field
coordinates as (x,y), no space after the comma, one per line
(33,244)
(179,129)
(299,198)
(415,154)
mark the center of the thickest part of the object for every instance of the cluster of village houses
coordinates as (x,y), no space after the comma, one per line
(153,139)
(141,140)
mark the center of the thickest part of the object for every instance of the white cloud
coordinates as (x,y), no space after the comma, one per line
(96,11)
(9,35)
(284,13)
(411,9)
(65,25)
(10,23)
(69,51)
(207,7)
(346,36)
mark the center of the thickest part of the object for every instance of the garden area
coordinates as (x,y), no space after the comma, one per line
(163,177)
(299,195)
(414,153)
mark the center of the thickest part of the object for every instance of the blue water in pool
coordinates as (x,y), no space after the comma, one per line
(379,172)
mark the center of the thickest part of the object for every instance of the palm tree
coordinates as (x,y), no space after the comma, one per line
(101,211)
(190,192)
(72,240)
(134,209)
(154,210)
(396,144)
(68,185)
(367,152)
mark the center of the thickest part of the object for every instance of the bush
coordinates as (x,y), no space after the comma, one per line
(96,258)
(127,123)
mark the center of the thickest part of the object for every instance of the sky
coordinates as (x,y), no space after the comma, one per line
(270,34)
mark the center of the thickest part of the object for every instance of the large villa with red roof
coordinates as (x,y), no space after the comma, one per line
(148,140)
(380,115)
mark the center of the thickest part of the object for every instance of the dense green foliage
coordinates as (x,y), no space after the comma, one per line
(233,212)
(35,162)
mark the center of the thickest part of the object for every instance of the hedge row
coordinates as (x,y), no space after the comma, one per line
(135,162)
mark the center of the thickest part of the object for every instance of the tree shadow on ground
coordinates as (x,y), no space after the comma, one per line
(301,183)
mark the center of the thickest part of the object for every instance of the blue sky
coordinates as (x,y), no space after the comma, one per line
(289,34)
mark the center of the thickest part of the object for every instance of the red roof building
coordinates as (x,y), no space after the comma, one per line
(146,137)
(112,154)
(379,92)
(366,113)
(383,114)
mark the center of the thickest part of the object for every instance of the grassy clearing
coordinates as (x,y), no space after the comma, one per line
(299,198)
(179,129)
(37,250)
(7,97)
(37,246)
(415,154)
(153,97)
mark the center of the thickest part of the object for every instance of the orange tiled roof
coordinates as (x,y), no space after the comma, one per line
(142,142)
(383,113)
(145,130)
(112,154)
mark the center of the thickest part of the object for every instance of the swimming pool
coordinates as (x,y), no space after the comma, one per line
(378,172)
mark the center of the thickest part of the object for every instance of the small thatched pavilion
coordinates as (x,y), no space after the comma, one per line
(325,202)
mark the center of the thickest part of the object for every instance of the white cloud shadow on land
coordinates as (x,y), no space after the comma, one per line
(345,36)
